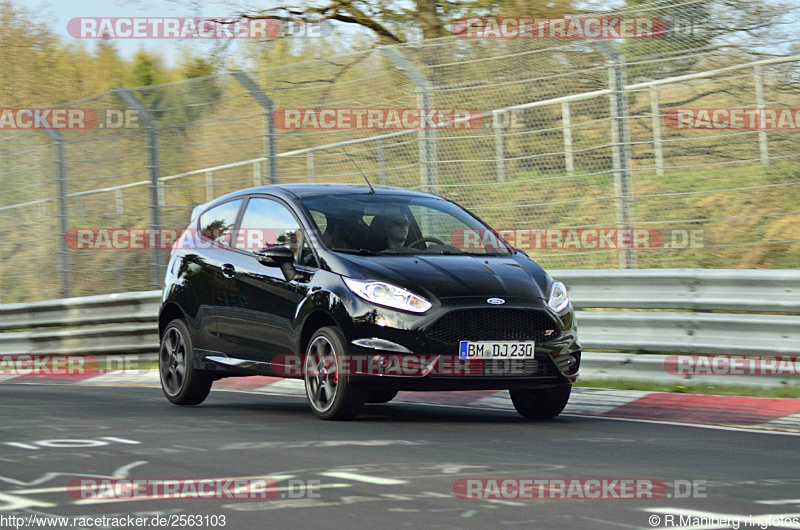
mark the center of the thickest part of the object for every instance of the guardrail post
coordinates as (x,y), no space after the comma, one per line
(427,138)
(621,146)
(310,169)
(763,146)
(658,149)
(566,120)
(61,198)
(270,138)
(154,168)
(499,145)
(381,163)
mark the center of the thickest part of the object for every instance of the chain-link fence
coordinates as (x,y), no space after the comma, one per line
(572,136)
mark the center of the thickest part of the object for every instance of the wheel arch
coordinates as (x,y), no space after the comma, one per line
(169,312)
(316,320)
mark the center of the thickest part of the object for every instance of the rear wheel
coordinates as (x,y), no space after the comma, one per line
(180,381)
(329,391)
(541,404)
(380,395)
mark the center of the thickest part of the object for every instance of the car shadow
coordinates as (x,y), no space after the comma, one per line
(398,411)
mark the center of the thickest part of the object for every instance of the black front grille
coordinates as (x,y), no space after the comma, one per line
(494,324)
(518,368)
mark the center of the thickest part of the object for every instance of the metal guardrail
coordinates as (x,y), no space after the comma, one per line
(122,323)
(754,291)
(643,311)
(596,366)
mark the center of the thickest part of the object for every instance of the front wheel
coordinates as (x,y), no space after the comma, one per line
(328,389)
(180,381)
(541,404)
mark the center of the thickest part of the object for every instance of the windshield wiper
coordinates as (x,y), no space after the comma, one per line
(448,252)
(357,251)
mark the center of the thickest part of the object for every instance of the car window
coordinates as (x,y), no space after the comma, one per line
(436,223)
(217,223)
(320,219)
(398,224)
(267,223)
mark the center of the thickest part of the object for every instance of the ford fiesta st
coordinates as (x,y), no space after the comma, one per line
(361,292)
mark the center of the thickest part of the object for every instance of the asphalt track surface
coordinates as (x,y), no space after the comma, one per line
(393,467)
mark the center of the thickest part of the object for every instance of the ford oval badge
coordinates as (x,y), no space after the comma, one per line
(496,301)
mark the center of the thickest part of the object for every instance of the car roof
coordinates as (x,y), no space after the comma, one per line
(312,189)
(300,191)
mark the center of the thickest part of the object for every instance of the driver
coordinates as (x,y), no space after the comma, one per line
(397,230)
(389,230)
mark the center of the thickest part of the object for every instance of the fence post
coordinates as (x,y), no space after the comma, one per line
(154,168)
(499,145)
(61,197)
(270,139)
(427,146)
(209,186)
(120,201)
(763,146)
(621,147)
(566,119)
(310,166)
(162,196)
(658,149)
(256,173)
(381,163)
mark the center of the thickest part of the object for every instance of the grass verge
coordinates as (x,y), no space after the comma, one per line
(785,391)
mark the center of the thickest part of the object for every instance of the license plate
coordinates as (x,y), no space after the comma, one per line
(495,350)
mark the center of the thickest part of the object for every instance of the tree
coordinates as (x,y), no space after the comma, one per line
(396,22)
(145,70)
(694,26)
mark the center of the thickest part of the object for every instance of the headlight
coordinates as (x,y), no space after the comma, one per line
(558,297)
(387,294)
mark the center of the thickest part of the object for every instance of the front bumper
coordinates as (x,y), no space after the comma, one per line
(395,348)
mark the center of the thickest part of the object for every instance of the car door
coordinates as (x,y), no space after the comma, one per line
(257,304)
(209,250)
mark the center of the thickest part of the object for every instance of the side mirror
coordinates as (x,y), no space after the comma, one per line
(280,257)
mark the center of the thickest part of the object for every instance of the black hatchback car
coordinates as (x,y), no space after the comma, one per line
(361,292)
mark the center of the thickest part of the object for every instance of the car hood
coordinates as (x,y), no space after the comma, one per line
(440,276)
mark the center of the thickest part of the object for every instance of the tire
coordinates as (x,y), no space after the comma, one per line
(541,404)
(330,394)
(380,395)
(181,383)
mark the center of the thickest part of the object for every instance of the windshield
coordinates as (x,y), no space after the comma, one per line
(397,224)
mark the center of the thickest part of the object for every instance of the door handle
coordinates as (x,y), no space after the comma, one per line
(228,270)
